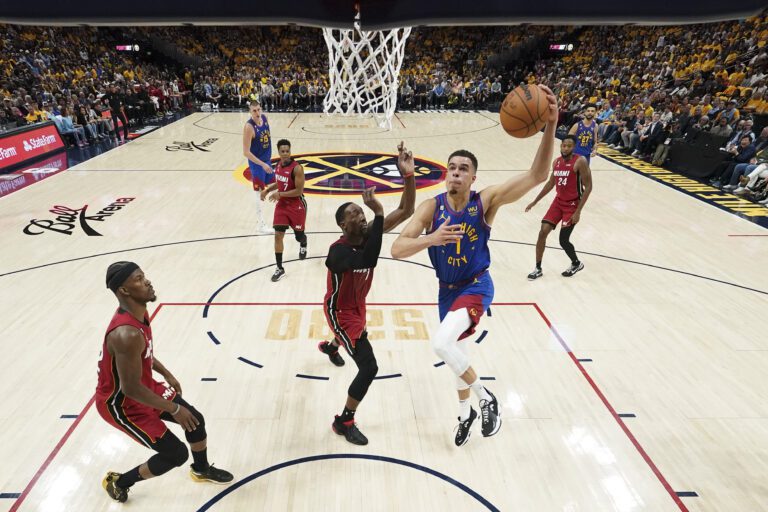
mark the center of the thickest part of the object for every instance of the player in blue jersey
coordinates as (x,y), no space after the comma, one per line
(457,226)
(257,148)
(586,133)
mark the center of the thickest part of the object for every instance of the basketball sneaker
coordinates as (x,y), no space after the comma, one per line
(349,430)
(573,269)
(489,409)
(302,253)
(464,427)
(537,273)
(278,275)
(110,485)
(328,348)
(212,474)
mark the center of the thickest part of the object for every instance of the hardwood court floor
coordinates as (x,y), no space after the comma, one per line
(666,324)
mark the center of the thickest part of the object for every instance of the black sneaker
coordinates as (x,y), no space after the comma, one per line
(537,273)
(327,348)
(350,431)
(302,253)
(278,275)
(212,474)
(463,428)
(110,485)
(491,417)
(573,269)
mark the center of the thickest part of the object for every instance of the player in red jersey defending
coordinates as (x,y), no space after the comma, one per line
(351,261)
(291,208)
(129,399)
(572,180)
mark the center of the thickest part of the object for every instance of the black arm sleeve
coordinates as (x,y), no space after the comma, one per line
(342,258)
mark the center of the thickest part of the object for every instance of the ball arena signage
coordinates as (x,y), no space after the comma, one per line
(349,173)
(191,146)
(67,219)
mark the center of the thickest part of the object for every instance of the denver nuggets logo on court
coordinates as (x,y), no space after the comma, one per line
(348,173)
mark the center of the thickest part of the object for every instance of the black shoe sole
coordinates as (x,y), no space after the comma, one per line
(466,440)
(498,427)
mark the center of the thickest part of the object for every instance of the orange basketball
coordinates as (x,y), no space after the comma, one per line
(524,111)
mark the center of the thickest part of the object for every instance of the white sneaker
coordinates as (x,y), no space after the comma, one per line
(764,201)
(635,152)
(739,191)
(729,187)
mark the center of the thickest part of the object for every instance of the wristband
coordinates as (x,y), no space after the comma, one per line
(178,408)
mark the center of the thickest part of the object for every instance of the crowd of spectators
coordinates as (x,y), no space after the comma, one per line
(78,79)
(652,84)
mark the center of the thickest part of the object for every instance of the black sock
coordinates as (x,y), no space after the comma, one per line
(200,460)
(128,479)
(330,348)
(538,265)
(279,259)
(347,415)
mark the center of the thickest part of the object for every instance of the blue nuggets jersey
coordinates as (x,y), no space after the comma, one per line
(261,144)
(585,138)
(461,262)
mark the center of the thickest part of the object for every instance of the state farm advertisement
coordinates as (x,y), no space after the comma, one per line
(18,147)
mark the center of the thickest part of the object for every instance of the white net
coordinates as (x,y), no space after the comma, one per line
(363,71)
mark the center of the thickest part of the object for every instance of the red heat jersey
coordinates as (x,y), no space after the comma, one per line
(108,387)
(344,303)
(567,181)
(285,182)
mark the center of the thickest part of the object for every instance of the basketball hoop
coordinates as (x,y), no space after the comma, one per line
(363,70)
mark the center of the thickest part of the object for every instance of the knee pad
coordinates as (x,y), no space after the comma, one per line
(369,367)
(461,385)
(179,455)
(300,236)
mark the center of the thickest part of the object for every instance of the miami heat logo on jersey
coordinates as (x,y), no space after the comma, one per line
(567,181)
(348,173)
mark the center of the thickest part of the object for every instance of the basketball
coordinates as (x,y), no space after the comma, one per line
(524,111)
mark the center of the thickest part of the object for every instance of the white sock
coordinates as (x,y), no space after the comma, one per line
(479,390)
(464,409)
(259,216)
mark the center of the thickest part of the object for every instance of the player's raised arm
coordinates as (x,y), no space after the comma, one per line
(405,209)
(410,240)
(517,186)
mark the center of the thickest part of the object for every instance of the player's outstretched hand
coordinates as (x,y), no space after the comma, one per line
(528,208)
(263,194)
(267,168)
(553,109)
(405,162)
(447,234)
(369,198)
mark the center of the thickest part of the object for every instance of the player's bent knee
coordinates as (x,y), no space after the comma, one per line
(179,455)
